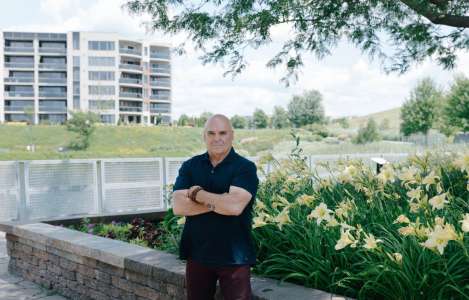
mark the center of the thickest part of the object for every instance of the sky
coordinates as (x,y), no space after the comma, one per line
(350,83)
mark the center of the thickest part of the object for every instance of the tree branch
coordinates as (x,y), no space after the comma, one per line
(434,17)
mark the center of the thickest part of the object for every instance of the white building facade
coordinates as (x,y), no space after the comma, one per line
(46,76)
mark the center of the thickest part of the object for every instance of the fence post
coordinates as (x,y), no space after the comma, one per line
(164,182)
(23,193)
(99,187)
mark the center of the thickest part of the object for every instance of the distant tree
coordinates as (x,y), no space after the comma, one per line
(260,118)
(343,122)
(420,111)
(84,125)
(384,125)
(367,134)
(306,109)
(183,120)
(280,118)
(457,106)
(239,122)
(200,121)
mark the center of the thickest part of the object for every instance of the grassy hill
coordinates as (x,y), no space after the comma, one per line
(124,141)
(393,115)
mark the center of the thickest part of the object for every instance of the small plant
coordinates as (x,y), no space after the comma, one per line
(84,125)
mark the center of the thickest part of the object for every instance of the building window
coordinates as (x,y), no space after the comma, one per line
(76,40)
(101,104)
(101,61)
(76,102)
(108,119)
(101,75)
(101,45)
(76,61)
(101,90)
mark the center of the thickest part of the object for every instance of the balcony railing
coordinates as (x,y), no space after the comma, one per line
(130,51)
(159,110)
(130,95)
(159,55)
(53,66)
(19,79)
(53,80)
(161,82)
(52,94)
(17,108)
(130,109)
(130,80)
(19,65)
(19,49)
(160,97)
(52,50)
(131,67)
(19,94)
(164,70)
(44,108)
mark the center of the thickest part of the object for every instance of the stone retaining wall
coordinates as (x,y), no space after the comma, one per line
(82,266)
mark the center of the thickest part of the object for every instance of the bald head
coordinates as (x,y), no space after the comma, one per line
(218,118)
(218,135)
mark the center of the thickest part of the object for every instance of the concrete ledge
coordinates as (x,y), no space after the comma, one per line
(83,266)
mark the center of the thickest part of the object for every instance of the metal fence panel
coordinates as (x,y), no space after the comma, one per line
(173,164)
(132,185)
(9,191)
(60,188)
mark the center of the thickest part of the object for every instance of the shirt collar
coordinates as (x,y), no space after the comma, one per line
(231,155)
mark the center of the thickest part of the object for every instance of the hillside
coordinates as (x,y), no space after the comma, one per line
(393,115)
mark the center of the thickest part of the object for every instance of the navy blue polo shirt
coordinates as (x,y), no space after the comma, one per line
(211,238)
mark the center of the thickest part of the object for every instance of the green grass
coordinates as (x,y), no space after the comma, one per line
(125,141)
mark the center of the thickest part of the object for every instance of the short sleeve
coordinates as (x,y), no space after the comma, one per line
(184,180)
(246,178)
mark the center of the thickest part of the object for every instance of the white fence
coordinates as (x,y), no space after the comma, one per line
(56,189)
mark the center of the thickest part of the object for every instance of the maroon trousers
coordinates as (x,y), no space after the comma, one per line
(201,281)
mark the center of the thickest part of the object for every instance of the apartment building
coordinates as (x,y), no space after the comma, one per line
(46,76)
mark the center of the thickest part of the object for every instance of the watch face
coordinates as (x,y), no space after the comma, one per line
(210,206)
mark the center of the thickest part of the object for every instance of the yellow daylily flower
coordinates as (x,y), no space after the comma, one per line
(407,230)
(345,239)
(438,202)
(402,219)
(305,200)
(438,239)
(320,213)
(181,221)
(465,223)
(370,242)
(396,257)
(414,194)
(283,218)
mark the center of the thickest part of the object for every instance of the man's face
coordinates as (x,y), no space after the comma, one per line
(218,136)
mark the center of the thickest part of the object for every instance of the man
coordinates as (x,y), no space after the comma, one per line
(215,191)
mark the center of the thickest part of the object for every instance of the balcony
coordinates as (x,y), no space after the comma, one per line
(16,108)
(160,55)
(160,97)
(45,108)
(131,67)
(19,65)
(130,109)
(52,94)
(53,80)
(130,95)
(53,50)
(130,51)
(19,49)
(161,82)
(19,80)
(164,70)
(53,66)
(19,94)
(159,110)
(130,80)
